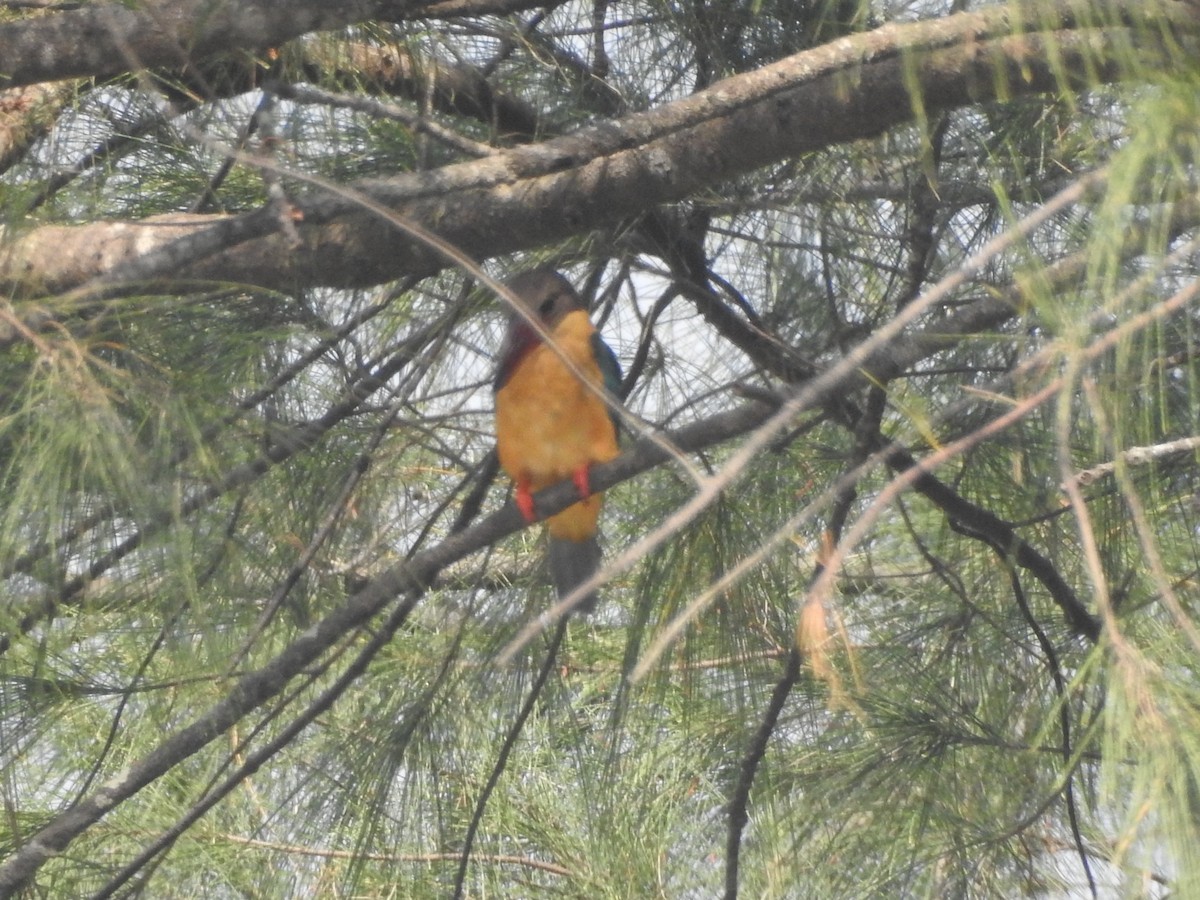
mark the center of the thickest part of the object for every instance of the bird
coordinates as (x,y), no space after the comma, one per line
(550,425)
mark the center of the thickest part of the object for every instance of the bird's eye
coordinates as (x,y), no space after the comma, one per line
(546,308)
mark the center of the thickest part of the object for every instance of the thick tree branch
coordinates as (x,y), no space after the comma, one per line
(451,87)
(101,40)
(854,88)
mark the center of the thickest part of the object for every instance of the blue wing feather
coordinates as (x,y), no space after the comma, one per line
(607,361)
(610,368)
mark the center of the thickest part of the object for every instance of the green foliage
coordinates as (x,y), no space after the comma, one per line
(193,479)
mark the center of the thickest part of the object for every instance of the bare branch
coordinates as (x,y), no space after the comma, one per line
(1137,456)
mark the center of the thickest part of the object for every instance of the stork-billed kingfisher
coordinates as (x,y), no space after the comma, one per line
(549,425)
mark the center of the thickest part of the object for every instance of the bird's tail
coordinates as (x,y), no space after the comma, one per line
(571,564)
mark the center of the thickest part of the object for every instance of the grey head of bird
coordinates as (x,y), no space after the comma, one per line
(546,295)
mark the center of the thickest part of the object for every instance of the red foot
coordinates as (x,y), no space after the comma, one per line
(524,500)
(583,482)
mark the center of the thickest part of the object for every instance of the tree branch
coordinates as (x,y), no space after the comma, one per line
(1139,456)
(855,88)
(101,40)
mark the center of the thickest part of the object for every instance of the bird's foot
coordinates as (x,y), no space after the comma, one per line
(583,481)
(524,501)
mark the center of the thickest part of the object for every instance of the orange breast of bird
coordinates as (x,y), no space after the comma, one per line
(548,424)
